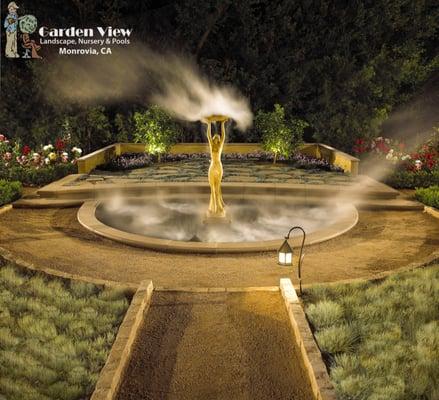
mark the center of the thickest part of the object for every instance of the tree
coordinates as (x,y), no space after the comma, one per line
(279,136)
(89,126)
(156,129)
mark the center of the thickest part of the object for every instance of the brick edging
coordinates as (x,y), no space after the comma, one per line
(113,371)
(312,359)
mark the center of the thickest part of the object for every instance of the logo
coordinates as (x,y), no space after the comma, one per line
(18,34)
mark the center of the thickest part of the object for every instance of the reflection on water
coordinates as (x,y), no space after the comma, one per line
(251,220)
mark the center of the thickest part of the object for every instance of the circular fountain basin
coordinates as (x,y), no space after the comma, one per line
(178,223)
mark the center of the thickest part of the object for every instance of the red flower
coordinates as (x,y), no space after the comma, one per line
(26,150)
(59,144)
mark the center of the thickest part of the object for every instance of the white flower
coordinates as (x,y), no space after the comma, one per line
(65,154)
(48,147)
(35,155)
(406,157)
(46,161)
(77,150)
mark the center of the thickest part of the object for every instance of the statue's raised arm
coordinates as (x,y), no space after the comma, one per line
(223,132)
(209,129)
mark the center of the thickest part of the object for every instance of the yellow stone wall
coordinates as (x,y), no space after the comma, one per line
(333,156)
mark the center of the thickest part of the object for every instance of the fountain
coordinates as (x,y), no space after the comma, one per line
(172,216)
(216,212)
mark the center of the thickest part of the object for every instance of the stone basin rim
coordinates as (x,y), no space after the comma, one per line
(87,218)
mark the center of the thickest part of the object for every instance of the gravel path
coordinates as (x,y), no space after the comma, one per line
(216,346)
(381,241)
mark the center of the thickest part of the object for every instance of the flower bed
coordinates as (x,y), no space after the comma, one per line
(429,196)
(128,161)
(380,340)
(407,170)
(9,191)
(55,335)
(35,167)
(412,180)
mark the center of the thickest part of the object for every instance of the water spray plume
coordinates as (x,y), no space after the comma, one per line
(140,74)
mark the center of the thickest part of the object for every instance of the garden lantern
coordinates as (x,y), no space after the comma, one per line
(285,254)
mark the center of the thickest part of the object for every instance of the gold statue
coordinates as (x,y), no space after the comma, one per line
(216,144)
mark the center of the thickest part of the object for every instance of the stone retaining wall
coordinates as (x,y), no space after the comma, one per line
(336,157)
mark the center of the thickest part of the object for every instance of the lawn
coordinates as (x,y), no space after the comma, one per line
(55,335)
(380,340)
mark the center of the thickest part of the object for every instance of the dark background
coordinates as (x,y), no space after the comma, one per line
(343,66)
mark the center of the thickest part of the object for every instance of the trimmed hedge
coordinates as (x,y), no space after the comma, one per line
(428,196)
(9,191)
(412,180)
(38,176)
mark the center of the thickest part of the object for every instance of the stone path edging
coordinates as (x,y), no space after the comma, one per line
(426,261)
(432,211)
(111,375)
(5,208)
(217,289)
(318,375)
(7,256)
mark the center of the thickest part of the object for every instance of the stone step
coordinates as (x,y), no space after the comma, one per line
(401,203)
(389,205)
(38,202)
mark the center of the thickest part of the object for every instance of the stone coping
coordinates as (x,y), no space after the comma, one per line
(318,375)
(113,371)
(87,218)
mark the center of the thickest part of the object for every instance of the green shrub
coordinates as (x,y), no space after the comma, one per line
(428,196)
(279,136)
(9,191)
(412,180)
(30,176)
(156,129)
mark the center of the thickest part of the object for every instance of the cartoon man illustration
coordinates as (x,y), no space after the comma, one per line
(11,25)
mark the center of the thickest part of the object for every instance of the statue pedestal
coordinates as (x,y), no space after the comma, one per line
(211,219)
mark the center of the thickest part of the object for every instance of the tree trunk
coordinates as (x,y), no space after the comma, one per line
(213,20)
